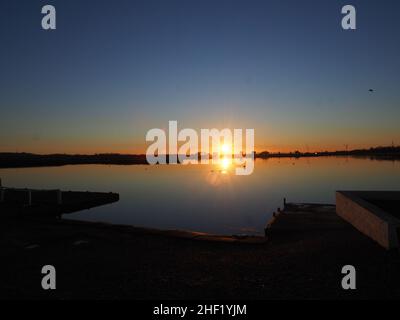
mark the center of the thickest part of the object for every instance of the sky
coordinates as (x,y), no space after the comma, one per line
(112,70)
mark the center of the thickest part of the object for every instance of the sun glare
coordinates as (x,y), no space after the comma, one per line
(226,149)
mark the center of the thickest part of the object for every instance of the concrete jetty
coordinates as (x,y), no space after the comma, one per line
(27,202)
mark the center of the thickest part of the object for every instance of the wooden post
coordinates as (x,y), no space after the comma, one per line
(29,197)
(59,197)
(1,192)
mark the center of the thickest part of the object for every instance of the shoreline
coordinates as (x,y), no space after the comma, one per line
(27,160)
(173,233)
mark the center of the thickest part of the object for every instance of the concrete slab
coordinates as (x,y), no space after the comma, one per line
(374,213)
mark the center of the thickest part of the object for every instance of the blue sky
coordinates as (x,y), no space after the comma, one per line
(114,69)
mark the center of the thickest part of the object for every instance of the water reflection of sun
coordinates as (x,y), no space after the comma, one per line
(222,166)
(225,164)
(225,160)
(219,174)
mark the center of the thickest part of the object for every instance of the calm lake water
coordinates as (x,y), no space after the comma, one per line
(204,198)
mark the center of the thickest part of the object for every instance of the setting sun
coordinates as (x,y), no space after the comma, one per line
(226,149)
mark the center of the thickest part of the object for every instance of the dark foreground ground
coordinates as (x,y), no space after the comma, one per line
(302,259)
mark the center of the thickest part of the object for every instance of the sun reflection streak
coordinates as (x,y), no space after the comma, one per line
(225,163)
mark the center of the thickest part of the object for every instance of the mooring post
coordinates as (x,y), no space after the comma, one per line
(1,192)
(59,197)
(29,197)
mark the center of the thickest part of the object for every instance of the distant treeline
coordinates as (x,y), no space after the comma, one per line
(18,160)
(376,153)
